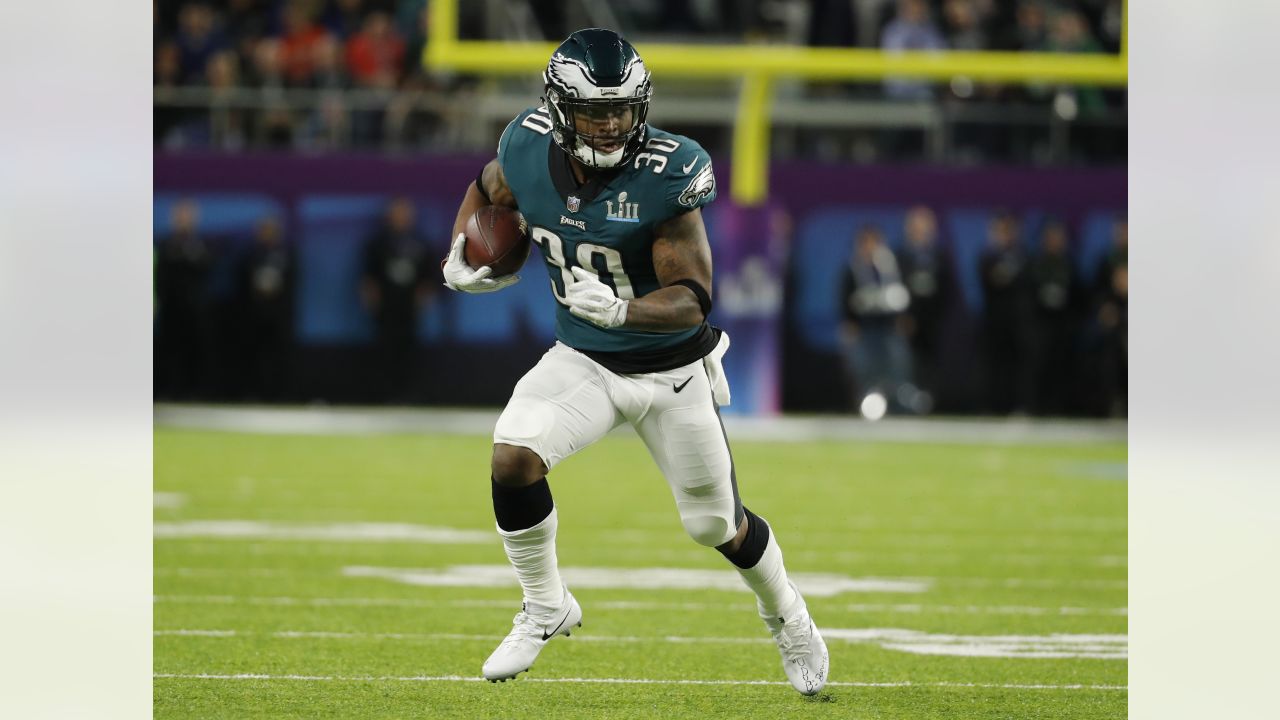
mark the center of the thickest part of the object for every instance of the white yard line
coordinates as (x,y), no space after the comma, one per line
(913,609)
(319,532)
(501,576)
(982,609)
(1060,645)
(639,578)
(168,500)
(625,681)
(976,554)
(330,635)
(1037,583)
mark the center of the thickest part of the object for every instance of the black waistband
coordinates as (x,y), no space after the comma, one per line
(630,362)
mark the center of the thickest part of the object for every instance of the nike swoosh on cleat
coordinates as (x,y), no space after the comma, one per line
(547,635)
(680,387)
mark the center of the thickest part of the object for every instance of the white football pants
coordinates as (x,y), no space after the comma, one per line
(568,401)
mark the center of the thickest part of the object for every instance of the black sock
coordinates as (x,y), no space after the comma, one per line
(520,508)
(753,545)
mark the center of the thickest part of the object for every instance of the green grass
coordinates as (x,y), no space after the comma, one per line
(1006,537)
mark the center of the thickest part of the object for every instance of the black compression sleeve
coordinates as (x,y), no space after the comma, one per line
(520,508)
(480,186)
(753,545)
(704,298)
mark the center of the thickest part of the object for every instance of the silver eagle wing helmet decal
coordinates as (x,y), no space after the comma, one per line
(570,76)
(573,79)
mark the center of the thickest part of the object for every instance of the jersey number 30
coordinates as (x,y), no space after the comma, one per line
(605,261)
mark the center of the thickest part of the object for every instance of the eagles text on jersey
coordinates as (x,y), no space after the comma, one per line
(607,226)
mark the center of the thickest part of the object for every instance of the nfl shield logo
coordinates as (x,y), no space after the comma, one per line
(574,203)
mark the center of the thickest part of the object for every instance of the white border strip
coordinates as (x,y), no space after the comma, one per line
(624,681)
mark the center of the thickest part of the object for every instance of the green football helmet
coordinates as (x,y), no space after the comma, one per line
(597,91)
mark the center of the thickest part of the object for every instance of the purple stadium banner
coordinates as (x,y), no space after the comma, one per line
(749,247)
(752,247)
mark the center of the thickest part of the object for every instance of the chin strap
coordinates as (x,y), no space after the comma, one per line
(595,158)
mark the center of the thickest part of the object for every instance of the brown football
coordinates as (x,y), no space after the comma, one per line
(498,237)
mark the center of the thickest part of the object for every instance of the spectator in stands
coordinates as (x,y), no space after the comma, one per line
(406,120)
(167,76)
(298,43)
(872,299)
(275,125)
(926,272)
(375,55)
(184,322)
(416,75)
(330,65)
(1054,287)
(911,29)
(1008,318)
(264,68)
(168,65)
(328,126)
(1113,324)
(266,286)
(1031,32)
(344,18)
(396,283)
(1069,33)
(247,22)
(1117,256)
(375,59)
(1108,23)
(963,25)
(198,39)
(228,121)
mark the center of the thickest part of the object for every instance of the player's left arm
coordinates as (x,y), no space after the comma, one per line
(680,253)
(681,258)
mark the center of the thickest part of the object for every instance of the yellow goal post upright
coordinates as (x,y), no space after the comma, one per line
(758,65)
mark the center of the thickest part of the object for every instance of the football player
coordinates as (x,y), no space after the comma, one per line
(613,204)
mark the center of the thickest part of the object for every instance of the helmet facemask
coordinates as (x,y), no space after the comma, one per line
(600,133)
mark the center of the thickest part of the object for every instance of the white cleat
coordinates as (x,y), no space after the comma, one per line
(804,654)
(531,632)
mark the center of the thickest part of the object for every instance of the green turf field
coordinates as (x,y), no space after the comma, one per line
(951,581)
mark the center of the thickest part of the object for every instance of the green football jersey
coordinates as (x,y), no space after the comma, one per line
(606,225)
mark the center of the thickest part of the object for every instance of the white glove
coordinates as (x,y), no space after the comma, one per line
(458,275)
(593,301)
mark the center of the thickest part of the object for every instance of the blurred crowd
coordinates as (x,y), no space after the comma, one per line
(252,53)
(225,308)
(274,46)
(1052,340)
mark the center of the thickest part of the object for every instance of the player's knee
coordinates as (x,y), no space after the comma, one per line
(709,530)
(516,466)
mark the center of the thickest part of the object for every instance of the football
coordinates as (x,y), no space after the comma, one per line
(498,237)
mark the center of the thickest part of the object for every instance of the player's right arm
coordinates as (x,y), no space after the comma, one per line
(494,186)
(458,275)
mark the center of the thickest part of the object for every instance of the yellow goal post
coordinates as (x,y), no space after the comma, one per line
(758,65)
